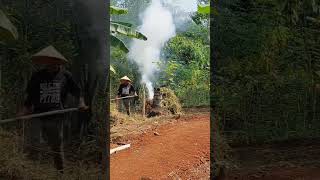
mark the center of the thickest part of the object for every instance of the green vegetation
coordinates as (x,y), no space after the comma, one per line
(119,61)
(186,69)
(185,64)
(268,60)
(122,28)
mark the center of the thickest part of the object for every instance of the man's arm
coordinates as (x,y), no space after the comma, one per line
(75,90)
(118,96)
(132,90)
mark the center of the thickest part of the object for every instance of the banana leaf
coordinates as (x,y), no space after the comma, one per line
(123,23)
(8,31)
(117,11)
(117,28)
(204,9)
(116,42)
(112,69)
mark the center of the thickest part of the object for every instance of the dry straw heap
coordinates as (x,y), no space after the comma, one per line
(170,101)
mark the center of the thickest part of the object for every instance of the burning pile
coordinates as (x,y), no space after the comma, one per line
(164,102)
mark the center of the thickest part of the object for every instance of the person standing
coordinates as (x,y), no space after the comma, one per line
(47,91)
(126,89)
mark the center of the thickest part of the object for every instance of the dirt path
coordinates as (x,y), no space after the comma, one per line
(295,160)
(181,149)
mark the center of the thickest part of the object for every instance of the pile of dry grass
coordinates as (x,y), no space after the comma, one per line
(14,164)
(170,101)
(117,117)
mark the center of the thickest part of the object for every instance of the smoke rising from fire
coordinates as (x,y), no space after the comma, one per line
(158,24)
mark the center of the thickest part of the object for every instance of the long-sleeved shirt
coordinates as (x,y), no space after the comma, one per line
(48,91)
(125,90)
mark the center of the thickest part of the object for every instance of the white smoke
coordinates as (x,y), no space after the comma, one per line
(181,11)
(183,5)
(158,25)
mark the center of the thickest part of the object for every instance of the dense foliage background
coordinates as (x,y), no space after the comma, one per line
(268,64)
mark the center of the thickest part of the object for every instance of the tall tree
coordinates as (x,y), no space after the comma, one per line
(94,56)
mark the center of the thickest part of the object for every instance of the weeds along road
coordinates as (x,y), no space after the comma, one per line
(180,149)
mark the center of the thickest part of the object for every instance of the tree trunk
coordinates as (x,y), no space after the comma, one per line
(1,109)
(92,21)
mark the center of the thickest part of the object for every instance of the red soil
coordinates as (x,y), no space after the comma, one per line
(180,149)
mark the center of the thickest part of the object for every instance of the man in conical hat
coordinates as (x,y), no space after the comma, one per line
(47,91)
(126,89)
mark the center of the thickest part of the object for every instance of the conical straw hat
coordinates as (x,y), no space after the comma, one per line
(125,78)
(49,55)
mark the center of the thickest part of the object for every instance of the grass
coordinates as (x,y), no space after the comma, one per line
(221,150)
(14,164)
(123,125)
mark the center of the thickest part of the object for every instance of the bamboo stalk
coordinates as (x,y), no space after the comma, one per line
(0,91)
(1,108)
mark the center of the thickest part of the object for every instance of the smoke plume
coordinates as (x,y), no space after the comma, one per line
(158,24)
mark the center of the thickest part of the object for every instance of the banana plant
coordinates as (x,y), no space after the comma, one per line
(112,69)
(122,28)
(8,31)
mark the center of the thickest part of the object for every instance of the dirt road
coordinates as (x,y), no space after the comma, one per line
(180,149)
(294,160)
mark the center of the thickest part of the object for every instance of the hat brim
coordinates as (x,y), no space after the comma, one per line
(125,80)
(47,60)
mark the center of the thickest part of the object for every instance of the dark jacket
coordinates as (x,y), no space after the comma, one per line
(125,90)
(47,92)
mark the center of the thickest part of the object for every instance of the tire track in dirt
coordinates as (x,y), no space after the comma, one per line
(180,147)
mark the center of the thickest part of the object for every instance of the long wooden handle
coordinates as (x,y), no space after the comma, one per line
(123,98)
(38,115)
